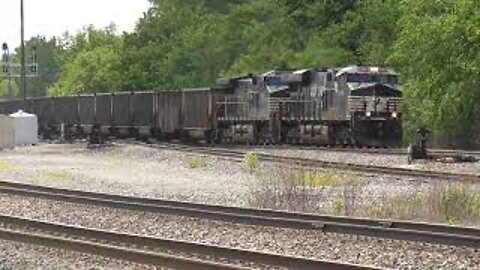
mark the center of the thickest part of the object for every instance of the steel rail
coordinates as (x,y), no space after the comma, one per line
(130,242)
(237,155)
(125,254)
(379,151)
(400,230)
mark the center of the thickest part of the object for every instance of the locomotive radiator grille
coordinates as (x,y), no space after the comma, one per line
(299,110)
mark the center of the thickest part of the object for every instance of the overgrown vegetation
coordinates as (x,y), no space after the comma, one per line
(196,162)
(308,191)
(338,193)
(450,204)
(434,45)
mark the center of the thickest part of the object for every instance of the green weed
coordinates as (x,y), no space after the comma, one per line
(326,179)
(7,166)
(58,176)
(339,205)
(196,162)
(251,161)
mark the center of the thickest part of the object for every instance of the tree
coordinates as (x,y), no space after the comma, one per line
(437,52)
(48,66)
(90,62)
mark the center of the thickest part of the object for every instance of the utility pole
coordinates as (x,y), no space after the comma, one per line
(23,81)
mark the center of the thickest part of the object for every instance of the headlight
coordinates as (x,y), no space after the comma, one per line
(394,115)
(368,114)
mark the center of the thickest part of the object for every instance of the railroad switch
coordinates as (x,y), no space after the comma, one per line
(419,151)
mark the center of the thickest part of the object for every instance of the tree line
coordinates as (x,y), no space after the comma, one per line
(434,45)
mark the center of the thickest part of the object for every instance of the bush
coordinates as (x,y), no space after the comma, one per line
(196,162)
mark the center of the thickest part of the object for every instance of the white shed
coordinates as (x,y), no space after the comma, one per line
(25,127)
(7,134)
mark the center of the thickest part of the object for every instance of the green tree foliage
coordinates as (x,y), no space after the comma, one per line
(90,62)
(190,43)
(9,90)
(46,51)
(437,52)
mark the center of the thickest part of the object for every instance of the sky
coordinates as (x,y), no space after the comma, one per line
(54,17)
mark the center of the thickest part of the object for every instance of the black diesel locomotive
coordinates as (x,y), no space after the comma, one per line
(348,106)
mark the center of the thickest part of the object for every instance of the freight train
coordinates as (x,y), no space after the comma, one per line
(335,106)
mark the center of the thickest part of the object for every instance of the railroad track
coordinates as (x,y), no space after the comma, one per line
(364,150)
(152,250)
(399,230)
(238,155)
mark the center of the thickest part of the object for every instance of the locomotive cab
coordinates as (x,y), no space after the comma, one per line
(374,105)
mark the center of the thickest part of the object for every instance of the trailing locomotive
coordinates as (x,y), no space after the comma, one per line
(347,106)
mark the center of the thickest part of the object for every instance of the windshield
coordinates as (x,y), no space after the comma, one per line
(372,78)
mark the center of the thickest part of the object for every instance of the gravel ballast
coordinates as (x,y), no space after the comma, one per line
(137,170)
(16,255)
(387,160)
(352,249)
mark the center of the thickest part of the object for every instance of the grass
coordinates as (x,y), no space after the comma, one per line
(316,179)
(459,204)
(196,162)
(7,166)
(58,176)
(331,192)
(309,191)
(339,205)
